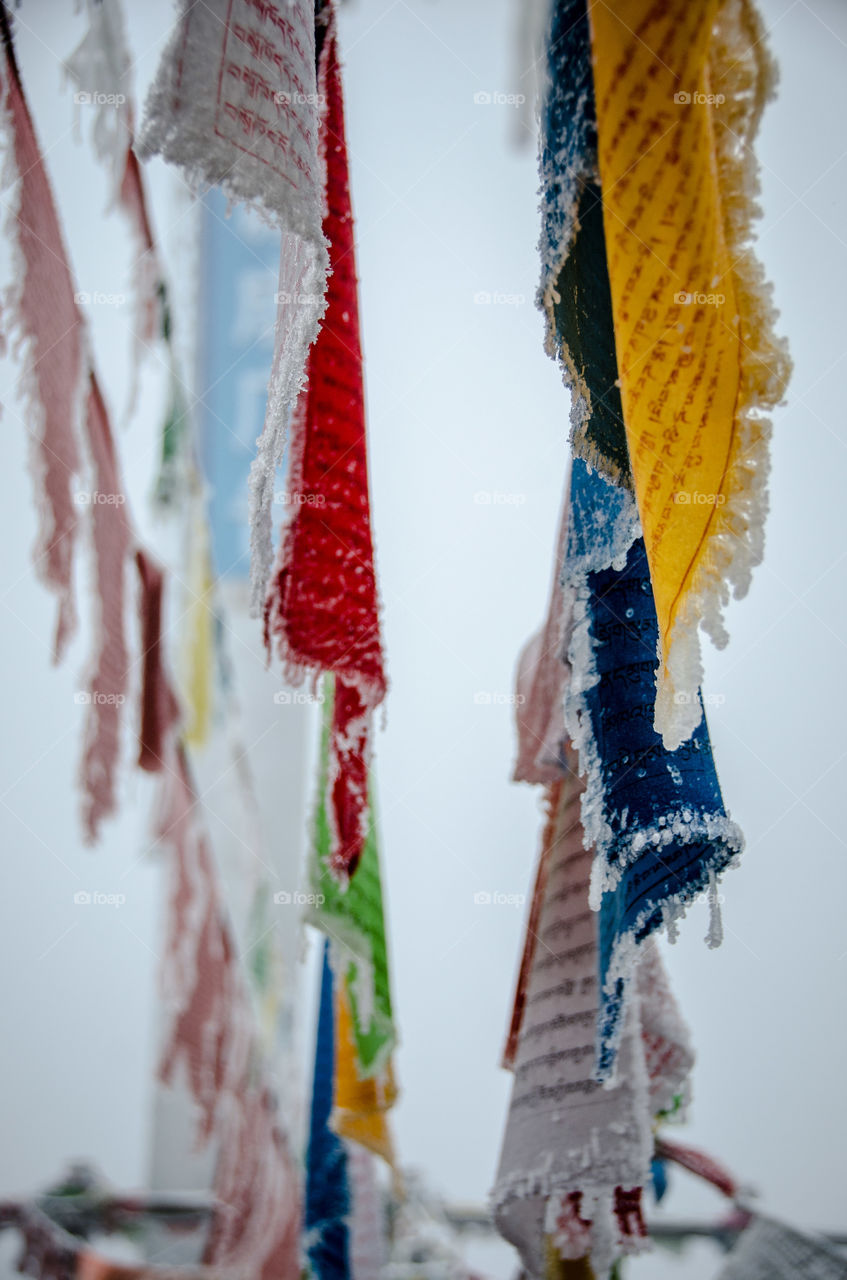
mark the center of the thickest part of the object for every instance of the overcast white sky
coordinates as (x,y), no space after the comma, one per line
(462,400)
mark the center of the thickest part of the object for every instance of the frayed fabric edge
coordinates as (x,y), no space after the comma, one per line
(599,1237)
(736,544)
(22,346)
(618,984)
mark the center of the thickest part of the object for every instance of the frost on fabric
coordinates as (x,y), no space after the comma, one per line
(350,913)
(569,148)
(701,378)
(322,608)
(655,819)
(211,1038)
(575,1156)
(243,115)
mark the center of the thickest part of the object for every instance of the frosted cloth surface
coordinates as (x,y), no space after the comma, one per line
(211,1039)
(235,104)
(575,1155)
(655,818)
(322,609)
(328,1200)
(768,1250)
(679,90)
(353,920)
(540,683)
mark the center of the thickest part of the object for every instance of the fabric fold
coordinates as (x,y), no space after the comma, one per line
(235,104)
(322,611)
(679,93)
(43,322)
(575,1155)
(655,819)
(354,921)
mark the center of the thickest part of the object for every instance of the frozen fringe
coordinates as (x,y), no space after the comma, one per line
(202,115)
(745,73)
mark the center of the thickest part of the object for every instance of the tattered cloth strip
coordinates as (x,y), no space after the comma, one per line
(112,539)
(211,1036)
(322,608)
(159,707)
(327,1236)
(41,317)
(575,1156)
(655,818)
(64,402)
(668,1052)
(769,1250)
(361,1105)
(353,920)
(368,1235)
(235,104)
(680,89)
(574,288)
(541,680)
(197,644)
(100,69)
(697,1162)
